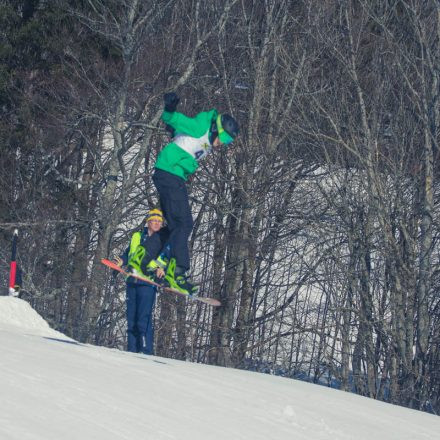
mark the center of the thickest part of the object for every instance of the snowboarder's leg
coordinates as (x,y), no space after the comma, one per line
(132,334)
(174,202)
(175,206)
(176,279)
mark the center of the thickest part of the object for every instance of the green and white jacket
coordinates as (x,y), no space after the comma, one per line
(190,144)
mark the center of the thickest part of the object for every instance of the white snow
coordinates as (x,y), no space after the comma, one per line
(54,388)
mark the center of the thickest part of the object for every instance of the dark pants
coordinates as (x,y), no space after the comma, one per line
(174,203)
(140,332)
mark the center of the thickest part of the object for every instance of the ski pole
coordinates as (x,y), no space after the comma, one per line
(13,265)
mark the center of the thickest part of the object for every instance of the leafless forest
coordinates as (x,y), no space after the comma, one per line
(318,230)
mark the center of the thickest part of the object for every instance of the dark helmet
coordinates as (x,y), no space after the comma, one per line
(227,128)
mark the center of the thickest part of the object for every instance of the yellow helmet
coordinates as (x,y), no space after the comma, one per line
(154,214)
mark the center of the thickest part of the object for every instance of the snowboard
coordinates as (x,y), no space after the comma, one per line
(210,301)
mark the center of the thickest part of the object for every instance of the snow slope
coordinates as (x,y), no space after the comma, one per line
(54,388)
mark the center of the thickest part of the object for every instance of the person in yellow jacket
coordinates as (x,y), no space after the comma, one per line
(143,257)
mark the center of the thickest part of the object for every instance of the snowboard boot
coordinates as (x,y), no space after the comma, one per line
(176,279)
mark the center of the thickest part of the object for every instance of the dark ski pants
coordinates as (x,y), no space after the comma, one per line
(174,203)
(140,332)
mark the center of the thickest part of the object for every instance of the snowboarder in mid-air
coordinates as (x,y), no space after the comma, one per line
(193,139)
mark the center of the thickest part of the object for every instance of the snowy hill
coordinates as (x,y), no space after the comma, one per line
(54,388)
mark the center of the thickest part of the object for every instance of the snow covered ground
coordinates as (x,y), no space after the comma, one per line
(54,388)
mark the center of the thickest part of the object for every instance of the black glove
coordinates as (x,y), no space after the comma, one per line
(171,100)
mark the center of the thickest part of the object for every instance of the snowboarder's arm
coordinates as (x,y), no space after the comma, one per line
(184,124)
(195,127)
(188,165)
